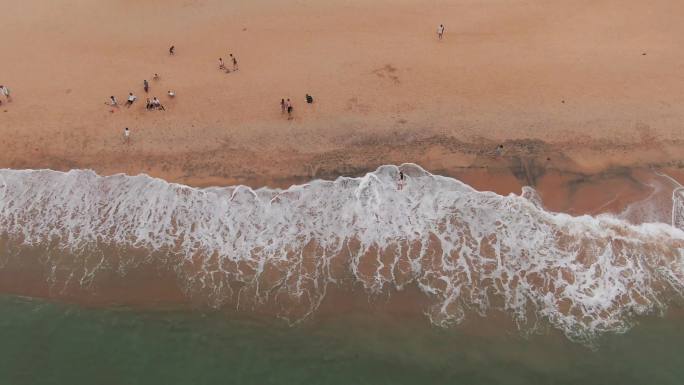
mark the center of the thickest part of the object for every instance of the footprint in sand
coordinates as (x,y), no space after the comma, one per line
(388,71)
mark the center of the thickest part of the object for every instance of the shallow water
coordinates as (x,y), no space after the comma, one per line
(53,343)
(470,252)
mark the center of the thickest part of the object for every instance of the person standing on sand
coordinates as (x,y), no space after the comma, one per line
(148,104)
(289,109)
(222,66)
(127,136)
(440,31)
(234,60)
(131,98)
(155,77)
(172,50)
(283,107)
(146,85)
(113,102)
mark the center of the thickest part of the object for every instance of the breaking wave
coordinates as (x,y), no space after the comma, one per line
(469,251)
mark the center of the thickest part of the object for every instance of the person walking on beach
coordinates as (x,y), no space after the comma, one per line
(155,77)
(172,50)
(400,184)
(222,65)
(283,106)
(127,136)
(131,98)
(148,104)
(288,104)
(309,99)
(113,102)
(440,31)
(234,60)
(146,86)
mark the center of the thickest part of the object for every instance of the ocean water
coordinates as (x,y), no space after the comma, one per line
(53,343)
(582,298)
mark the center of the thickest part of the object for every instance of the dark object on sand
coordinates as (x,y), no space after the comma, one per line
(309,98)
(172,50)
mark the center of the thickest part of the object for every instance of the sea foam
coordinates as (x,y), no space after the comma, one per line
(469,251)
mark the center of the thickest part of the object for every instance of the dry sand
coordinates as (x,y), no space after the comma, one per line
(576,91)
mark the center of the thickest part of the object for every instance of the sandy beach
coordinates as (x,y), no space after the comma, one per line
(579,89)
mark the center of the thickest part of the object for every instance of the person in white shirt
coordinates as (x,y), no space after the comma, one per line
(127,135)
(113,102)
(131,98)
(172,93)
(440,31)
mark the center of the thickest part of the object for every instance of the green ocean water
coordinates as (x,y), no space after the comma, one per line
(53,343)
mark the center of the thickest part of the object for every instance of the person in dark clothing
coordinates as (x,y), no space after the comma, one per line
(234,60)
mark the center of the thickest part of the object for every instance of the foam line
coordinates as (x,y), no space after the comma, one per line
(467,250)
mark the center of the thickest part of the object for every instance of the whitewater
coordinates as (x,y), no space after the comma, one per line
(468,251)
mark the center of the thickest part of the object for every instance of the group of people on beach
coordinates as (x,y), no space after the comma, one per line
(154,104)
(286,105)
(233,61)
